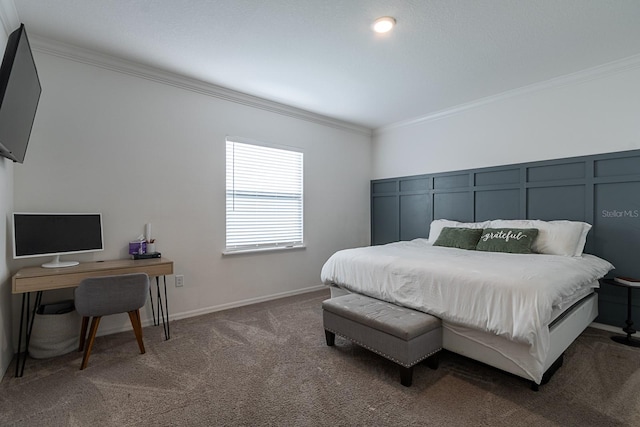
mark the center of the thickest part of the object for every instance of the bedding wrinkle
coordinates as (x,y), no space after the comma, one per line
(509,295)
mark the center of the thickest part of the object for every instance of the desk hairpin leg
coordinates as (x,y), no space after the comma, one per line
(153,312)
(166,306)
(161,309)
(26,298)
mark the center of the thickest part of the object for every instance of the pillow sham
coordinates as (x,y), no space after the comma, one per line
(511,240)
(561,237)
(438,224)
(457,237)
(583,238)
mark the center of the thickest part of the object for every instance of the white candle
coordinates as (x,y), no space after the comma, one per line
(148,232)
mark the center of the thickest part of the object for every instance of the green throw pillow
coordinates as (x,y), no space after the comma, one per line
(511,240)
(457,237)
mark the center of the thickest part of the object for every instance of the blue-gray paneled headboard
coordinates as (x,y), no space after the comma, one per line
(603,190)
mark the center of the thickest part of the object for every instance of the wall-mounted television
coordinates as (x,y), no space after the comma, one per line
(19,95)
(56,234)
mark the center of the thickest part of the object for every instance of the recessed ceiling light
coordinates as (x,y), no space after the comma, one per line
(384,24)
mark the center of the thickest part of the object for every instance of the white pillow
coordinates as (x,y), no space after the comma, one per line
(566,238)
(438,224)
(583,238)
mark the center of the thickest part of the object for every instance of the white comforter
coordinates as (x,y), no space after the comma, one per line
(510,295)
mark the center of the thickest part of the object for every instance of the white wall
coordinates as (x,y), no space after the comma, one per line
(6,207)
(588,116)
(140,151)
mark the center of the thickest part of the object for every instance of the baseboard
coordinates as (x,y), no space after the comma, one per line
(213,309)
(604,327)
(242,303)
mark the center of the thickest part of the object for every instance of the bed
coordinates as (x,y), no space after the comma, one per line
(514,311)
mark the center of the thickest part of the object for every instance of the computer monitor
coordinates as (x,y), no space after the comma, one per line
(56,234)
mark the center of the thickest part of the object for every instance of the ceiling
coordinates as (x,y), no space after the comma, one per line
(321,55)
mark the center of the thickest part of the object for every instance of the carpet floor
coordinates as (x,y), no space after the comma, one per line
(268,364)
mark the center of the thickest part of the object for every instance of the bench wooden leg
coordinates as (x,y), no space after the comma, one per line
(433,361)
(331,338)
(406,376)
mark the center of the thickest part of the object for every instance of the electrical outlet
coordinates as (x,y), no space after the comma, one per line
(179,280)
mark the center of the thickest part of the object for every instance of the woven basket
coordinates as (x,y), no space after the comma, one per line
(54,334)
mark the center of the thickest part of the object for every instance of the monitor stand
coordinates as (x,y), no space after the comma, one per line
(56,263)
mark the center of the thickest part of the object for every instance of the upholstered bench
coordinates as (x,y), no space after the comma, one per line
(403,336)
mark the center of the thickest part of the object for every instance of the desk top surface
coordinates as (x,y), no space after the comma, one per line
(30,279)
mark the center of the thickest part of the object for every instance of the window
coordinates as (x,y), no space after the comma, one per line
(264,196)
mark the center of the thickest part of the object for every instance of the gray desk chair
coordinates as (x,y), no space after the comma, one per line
(102,296)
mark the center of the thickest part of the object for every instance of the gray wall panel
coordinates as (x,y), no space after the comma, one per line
(450,181)
(455,206)
(384,187)
(618,166)
(384,219)
(603,189)
(420,184)
(616,226)
(497,204)
(556,172)
(413,221)
(549,203)
(510,176)
(611,305)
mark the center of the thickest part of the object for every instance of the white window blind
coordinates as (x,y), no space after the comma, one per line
(264,197)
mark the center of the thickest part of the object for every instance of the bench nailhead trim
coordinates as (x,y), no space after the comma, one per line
(393,359)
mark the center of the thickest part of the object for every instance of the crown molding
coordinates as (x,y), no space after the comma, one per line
(9,16)
(112,63)
(600,71)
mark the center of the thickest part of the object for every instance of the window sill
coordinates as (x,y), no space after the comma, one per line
(259,250)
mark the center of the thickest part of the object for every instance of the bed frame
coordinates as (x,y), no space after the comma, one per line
(563,331)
